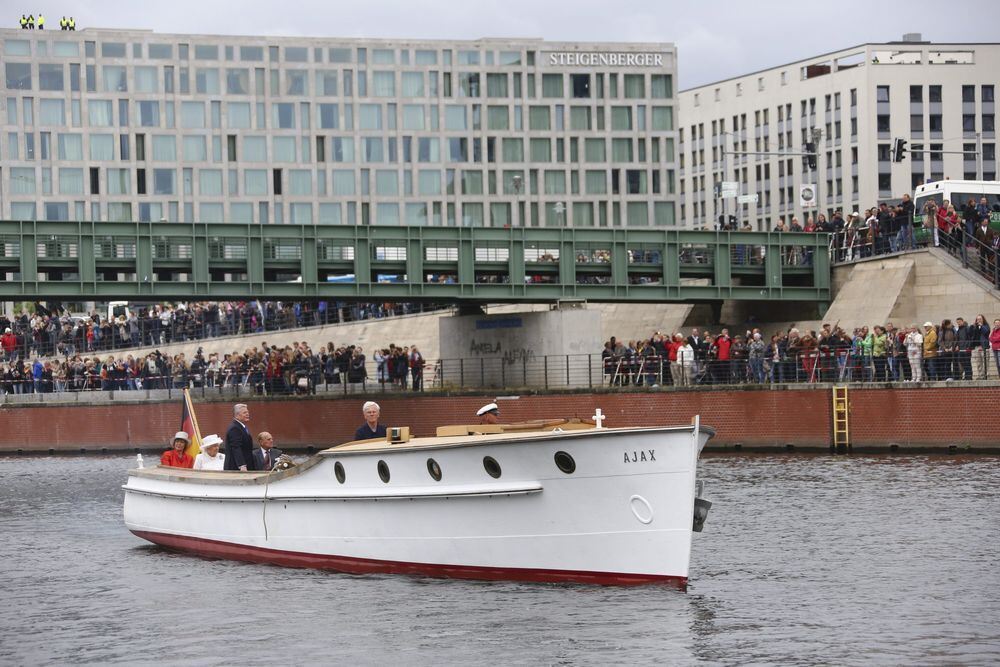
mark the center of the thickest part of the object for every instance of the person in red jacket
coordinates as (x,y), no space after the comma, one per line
(9,343)
(720,374)
(176,456)
(995,343)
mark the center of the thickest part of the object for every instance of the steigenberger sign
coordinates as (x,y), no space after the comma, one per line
(609,59)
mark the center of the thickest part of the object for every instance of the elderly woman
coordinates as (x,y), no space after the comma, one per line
(209,458)
(371,428)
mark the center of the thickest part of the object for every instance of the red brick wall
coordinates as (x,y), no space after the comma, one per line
(753,418)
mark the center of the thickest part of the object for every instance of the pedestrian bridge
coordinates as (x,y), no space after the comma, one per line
(181,261)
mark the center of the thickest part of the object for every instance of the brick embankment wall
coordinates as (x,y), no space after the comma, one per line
(800,417)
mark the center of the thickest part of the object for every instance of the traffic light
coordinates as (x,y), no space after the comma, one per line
(899,150)
(811,157)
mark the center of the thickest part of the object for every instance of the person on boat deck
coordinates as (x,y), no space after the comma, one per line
(175,456)
(239,442)
(371,428)
(267,455)
(209,457)
(489,414)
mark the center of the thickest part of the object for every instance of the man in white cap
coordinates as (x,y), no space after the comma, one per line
(489,414)
(209,458)
(176,457)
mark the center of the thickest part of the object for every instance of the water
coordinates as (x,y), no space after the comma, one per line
(804,560)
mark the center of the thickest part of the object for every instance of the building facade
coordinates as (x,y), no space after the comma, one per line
(139,126)
(938,97)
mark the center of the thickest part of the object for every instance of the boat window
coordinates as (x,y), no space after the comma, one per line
(383,471)
(434,470)
(492,467)
(565,463)
(338,472)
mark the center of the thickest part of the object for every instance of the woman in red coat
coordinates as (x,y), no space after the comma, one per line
(176,456)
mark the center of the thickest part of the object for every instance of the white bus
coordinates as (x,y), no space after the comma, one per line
(958,193)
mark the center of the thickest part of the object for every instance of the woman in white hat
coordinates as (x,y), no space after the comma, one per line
(176,456)
(209,458)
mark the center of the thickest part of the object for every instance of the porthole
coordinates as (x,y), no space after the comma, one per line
(492,467)
(383,471)
(565,463)
(434,470)
(338,472)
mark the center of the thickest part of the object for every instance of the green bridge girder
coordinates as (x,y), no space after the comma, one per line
(180,261)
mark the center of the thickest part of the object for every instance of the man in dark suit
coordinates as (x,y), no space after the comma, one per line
(239,442)
(265,457)
(371,429)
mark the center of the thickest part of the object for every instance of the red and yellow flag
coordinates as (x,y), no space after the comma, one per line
(189,424)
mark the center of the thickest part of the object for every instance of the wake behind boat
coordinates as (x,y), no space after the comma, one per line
(547,501)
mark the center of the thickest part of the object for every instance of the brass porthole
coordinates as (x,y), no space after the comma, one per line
(492,467)
(565,462)
(434,470)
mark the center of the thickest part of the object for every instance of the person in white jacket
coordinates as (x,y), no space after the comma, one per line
(209,458)
(685,359)
(914,342)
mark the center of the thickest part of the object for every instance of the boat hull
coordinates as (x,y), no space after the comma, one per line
(622,516)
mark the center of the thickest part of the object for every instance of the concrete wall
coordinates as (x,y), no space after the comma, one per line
(560,347)
(918,417)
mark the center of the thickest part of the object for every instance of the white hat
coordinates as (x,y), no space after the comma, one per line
(855,214)
(181,435)
(210,441)
(7,330)
(928,324)
(489,407)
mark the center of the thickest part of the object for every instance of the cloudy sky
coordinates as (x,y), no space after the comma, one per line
(715,40)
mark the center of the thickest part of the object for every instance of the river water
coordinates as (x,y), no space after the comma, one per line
(804,560)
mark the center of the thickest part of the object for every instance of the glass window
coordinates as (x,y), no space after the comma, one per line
(299,182)
(661,86)
(146,80)
(326,83)
(252,53)
(621,150)
(296,54)
(343,182)
(373,150)
(455,117)
(882,93)
(194,149)
(193,115)
(498,118)
(413,117)
(386,183)
(370,116)
(468,57)
(284,149)
(541,150)
(238,80)
(114,79)
(161,51)
(99,113)
(387,214)
(383,84)
(428,150)
(52,112)
(663,118)
(594,150)
(207,81)
(16,47)
(210,182)
(339,55)
(429,182)
(513,150)
(510,57)
(66,49)
(70,147)
(635,86)
(496,85)
(413,84)
(539,118)
(579,118)
(468,84)
(164,181)
(296,82)
(329,116)
(555,182)
(18,76)
(283,115)
(206,52)
(425,57)
(50,77)
(22,181)
(164,148)
(119,182)
(70,181)
(102,147)
(596,182)
(149,113)
(112,49)
(255,181)
(621,118)
(238,115)
(552,85)
(342,149)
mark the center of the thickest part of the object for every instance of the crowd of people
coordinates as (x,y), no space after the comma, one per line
(265,370)
(54,332)
(958,350)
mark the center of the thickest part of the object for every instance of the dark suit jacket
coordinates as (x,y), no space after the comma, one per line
(364,432)
(258,458)
(239,448)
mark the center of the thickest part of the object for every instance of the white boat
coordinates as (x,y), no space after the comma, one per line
(557,501)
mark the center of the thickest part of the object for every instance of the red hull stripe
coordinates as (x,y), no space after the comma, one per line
(352,565)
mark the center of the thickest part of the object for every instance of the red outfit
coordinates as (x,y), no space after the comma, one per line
(672,348)
(722,344)
(9,342)
(175,460)
(995,339)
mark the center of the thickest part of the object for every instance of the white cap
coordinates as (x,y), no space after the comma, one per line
(182,435)
(210,440)
(928,324)
(489,407)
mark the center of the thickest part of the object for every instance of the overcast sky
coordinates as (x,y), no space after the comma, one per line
(715,40)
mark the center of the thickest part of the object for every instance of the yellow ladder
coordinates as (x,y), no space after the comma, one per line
(841,427)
